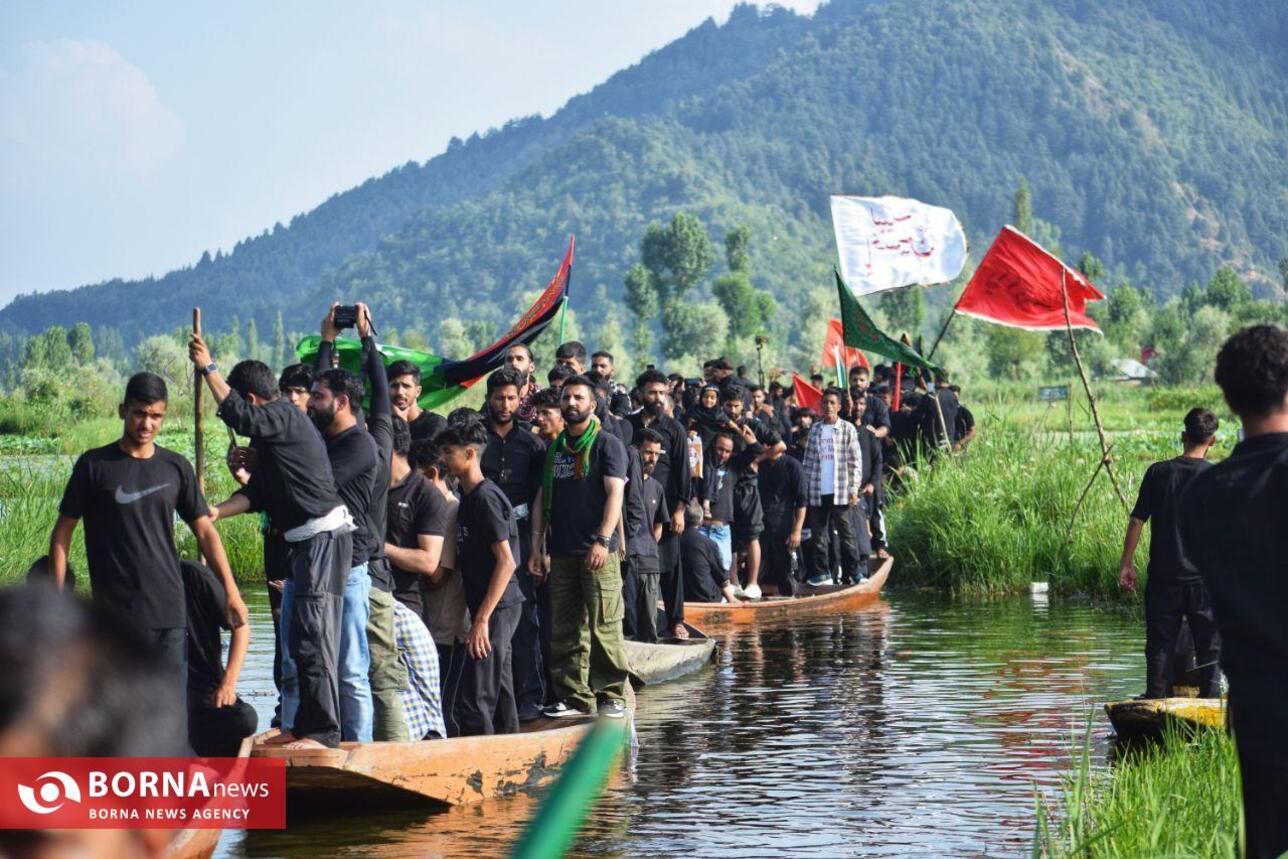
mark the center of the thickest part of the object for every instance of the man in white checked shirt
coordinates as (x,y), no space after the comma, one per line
(833,467)
(421,701)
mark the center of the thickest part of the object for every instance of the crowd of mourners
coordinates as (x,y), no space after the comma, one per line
(438,576)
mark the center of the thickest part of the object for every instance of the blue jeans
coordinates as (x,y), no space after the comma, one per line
(722,536)
(356,710)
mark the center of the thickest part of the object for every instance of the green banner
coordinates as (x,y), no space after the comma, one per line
(435,390)
(859,331)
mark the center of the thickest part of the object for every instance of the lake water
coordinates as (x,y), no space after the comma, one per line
(921,726)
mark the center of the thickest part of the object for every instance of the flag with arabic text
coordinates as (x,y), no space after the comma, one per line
(889,242)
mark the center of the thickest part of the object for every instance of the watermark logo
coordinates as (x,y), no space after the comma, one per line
(52,790)
(154,793)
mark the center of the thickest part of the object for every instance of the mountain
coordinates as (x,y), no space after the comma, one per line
(1154,134)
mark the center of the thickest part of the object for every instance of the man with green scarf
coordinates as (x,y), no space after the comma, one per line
(574,523)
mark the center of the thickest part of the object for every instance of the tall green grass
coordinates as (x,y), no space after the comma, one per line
(1179,799)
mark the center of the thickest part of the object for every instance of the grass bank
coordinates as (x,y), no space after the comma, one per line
(997,518)
(1180,798)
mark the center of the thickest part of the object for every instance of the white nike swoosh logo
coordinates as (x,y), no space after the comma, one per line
(123,497)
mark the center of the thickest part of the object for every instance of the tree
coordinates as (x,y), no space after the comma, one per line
(162,355)
(1090,266)
(1013,354)
(1283,272)
(452,339)
(252,340)
(690,327)
(1227,291)
(1022,214)
(677,255)
(608,337)
(82,344)
(904,309)
(641,300)
(741,304)
(736,254)
(280,347)
(48,350)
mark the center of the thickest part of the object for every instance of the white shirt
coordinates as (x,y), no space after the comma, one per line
(827,458)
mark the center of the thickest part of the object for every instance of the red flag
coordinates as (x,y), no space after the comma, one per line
(834,345)
(807,396)
(1018,284)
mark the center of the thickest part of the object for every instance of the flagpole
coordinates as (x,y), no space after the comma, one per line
(935,346)
(563,320)
(1105,459)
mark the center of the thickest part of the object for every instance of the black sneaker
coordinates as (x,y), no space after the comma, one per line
(563,710)
(613,709)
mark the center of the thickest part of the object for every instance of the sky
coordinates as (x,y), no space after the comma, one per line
(135,136)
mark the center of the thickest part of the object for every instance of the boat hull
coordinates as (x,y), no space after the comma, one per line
(812,601)
(1150,718)
(651,664)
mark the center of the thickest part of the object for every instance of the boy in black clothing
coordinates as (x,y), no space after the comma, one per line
(486,545)
(705,577)
(129,493)
(404,396)
(292,482)
(417,525)
(1174,589)
(217,719)
(1232,531)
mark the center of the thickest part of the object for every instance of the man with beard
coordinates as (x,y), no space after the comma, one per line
(292,482)
(672,472)
(619,399)
(404,394)
(578,506)
(717,493)
(518,358)
(640,584)
(371,674)
(513,460)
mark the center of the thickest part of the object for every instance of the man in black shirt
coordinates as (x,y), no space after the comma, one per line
(1174,590)
(417,525)
(513,460)
(705,576)
(217,719)
(785,501)
(964,431)
(936,425)
(878,426)
(583,484)
(404,396)
(672,472)
(486,545)
(518,359)
(1232,531)
(371,674)
(129,493)
(646,516)
(293,484)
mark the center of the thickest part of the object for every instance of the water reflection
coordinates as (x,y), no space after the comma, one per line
(919,726)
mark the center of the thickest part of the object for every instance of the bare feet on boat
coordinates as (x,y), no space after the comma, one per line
(306,743)
(679,633)
(280,739)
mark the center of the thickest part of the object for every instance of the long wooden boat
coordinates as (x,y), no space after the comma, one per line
(1148,718)
(460,771)
(201,843)
(831,598)
(651,664)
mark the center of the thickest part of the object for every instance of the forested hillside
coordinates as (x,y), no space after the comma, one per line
(1153,133)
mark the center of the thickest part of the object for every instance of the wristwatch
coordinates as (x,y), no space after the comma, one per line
(212,367)
(601,540)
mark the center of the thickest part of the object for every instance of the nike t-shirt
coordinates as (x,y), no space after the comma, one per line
(128,507)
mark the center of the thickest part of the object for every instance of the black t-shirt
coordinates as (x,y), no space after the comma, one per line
(876,413)
(426,426)
(718,483)
(354,463)
(128,506)
(292,480)
(484,519)
(704,574)
(577,507)
(641,543)
(782,490)
(207,603)
(1232,530)
(1159,499)
(514,462)
(672,469)
(415,508)
(965,422)
(928,417)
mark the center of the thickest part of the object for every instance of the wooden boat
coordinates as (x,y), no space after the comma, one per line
(201,843)
(832,598)
(651,664)
(1149,718)
(458,771)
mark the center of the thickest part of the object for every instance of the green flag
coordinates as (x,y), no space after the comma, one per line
(859,331)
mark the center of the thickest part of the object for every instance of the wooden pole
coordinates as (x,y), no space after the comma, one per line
(1105,458)
(942,331)
(199,442)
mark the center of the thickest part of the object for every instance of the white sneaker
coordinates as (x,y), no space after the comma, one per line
(738,591)
(752,592)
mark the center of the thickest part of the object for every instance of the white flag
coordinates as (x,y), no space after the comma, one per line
(888,242)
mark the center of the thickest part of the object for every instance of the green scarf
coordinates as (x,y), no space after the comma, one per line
(580,449)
